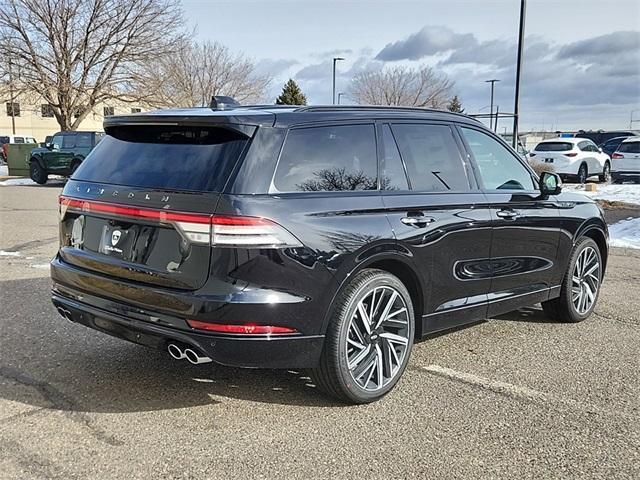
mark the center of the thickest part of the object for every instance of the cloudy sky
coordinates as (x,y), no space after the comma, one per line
(582,57)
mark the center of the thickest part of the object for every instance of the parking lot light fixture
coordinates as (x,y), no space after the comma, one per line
(335,60)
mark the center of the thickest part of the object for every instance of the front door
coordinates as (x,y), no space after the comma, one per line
(60,156)
(526,226)
(440,220)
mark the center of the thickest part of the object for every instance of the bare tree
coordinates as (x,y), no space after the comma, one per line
(78,53)
(203,69)
(422,87)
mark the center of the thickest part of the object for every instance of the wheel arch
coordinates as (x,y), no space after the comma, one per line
(37,159)
(397,265)
(598,235)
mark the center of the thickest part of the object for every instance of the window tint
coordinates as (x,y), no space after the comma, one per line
(13,109)
(68,141)
(30,140)
(164,157)
(431,156)
(341,157)
(554,147)
(83,139)
(4,139)
(392,174)
(46,110)
(107,111)
(18,139)
(630,147)
(499,168)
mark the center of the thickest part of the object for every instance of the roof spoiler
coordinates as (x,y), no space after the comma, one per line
(221,102)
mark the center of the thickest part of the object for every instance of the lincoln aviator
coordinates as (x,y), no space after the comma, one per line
(320,238)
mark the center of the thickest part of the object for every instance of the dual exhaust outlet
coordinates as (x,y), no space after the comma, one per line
(191,355)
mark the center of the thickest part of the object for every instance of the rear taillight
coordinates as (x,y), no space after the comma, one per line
(617,155)
(252,232)
(570,154)
(217,230)
(243,329)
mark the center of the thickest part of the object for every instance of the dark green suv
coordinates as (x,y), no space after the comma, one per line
(62,155)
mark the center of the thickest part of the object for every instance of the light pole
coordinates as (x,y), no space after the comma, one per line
(516,106)
(631,120)
(335,59)
(340,94)
(492,82)
(12,99)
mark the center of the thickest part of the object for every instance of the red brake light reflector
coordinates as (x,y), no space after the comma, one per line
(244,329)
(570,154)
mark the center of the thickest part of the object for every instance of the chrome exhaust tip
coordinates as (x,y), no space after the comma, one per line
(176,352)
(194,358)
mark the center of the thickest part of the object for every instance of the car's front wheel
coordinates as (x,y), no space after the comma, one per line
(606,173)
(37,173)
(368,340)
(580,286)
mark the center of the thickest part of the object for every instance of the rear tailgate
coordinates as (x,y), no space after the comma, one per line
(139,207)
(627,157)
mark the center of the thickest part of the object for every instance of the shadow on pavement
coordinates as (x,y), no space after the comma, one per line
(526,314)
(49,362)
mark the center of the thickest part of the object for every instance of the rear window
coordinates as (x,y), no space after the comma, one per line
(554,147)
(629,147)
(171,158)
(341,157)
(4,139)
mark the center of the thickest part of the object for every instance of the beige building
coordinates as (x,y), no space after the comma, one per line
(35,118)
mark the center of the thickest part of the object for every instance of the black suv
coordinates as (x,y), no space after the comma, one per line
(327,238)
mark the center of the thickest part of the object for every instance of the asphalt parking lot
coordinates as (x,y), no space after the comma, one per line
(513,397)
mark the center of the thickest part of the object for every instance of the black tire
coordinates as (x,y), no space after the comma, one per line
(37,173)
(583,173)
(74,166)
(606,173)
(563,309)
(333,376)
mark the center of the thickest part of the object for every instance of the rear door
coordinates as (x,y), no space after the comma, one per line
(439,218)
(526,227)
(139,207)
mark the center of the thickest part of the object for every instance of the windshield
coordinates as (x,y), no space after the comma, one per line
(164,157)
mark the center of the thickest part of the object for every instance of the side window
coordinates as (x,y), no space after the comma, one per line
(83,139)
(340,157)
(18,139)
(431,156)
(499,168)
(392,174)
(57,141)
(68,141)
(584,146)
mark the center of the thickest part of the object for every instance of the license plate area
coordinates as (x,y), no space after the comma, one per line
(548,160)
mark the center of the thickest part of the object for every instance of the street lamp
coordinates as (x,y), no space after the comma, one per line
(335,59)
(631,120)
(516,106)
(492,82)
(340,94)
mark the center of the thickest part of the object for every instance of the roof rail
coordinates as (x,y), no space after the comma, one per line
(328,108)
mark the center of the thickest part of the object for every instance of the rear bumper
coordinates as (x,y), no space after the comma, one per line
(625,174)
(100,303)
(235,351)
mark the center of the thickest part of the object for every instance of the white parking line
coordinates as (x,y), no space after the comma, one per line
(518,391)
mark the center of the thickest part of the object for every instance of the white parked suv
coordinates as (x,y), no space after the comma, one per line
(573,158)
(625,162)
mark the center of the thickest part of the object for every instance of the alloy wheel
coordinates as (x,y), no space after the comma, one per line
(582,174)
(377,338)
(585,280)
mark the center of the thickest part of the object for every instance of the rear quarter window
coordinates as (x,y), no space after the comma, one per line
(328,158)
(164,157)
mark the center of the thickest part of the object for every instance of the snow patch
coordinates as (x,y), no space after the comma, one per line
(41,266)
(9,254)
(628,193)
(4,170)
(625,233)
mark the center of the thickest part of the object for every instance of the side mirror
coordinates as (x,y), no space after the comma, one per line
(550,183)
(49,146)
(600,149)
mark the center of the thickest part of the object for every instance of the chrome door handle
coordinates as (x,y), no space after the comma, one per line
(508,214)
(417,221)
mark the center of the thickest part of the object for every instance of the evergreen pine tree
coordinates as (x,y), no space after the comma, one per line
(455,105)
(291,95)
